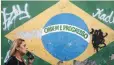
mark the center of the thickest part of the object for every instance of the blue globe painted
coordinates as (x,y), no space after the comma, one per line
(64,45)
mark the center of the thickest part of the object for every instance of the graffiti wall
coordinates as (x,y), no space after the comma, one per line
(59,32)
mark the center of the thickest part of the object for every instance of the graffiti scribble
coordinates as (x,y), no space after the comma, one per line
(9,18)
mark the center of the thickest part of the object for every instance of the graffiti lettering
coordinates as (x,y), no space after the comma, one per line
(104,17)
(9,18)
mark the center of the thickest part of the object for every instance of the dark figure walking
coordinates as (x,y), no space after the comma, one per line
(101,37)
(98,38)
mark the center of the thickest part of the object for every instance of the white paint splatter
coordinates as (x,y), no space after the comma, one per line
(112,57)
(10,18)
(9,41)
(30,34)
(7,56)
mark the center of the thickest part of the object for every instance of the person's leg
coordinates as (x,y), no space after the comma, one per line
(97,50)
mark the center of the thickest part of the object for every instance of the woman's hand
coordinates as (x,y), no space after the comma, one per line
(30,58)
(30,61)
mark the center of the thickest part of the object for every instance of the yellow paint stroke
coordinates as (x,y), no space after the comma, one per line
(35,45)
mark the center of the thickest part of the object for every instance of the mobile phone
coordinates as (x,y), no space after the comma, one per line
(30,55)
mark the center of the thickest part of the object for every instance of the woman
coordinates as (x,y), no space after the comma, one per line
(17,51)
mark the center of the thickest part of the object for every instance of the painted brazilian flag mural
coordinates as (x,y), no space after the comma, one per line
(60,32)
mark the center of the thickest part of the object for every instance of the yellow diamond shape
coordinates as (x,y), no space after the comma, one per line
(63,6)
